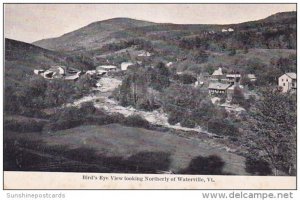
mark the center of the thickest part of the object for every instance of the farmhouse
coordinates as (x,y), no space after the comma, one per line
(288,82)
(218,88)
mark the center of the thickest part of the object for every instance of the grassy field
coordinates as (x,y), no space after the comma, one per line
(116,148)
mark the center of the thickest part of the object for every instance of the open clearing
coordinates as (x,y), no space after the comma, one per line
(115,140)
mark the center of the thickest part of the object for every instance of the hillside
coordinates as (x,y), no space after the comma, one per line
(276,31)
(22,58)
(91,35)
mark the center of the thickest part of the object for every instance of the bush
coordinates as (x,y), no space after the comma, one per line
(174,118)
(257,167)
(23,125)
(185,78)
(136,121)
(222,127)
(188,123)
(87,108)
(71,117)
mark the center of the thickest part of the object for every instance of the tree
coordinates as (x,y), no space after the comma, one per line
(200,56)
(272,131)
(232,52)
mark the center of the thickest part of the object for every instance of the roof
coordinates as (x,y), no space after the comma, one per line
(106,67)
(58,69)
(251,76)
(126,63)
(100,71)
(292,75)
(72,77)
(218,72)
(233,75)
(218,86)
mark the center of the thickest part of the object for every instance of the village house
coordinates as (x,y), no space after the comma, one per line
(169,64)
(233,78)
(218,88)
(106,68)
(90,72)
(54,72)
(288,82)
(224,30)
(125,65)
(38,71)
(252,77)
(73,77)
(144,54)
(217,74)
(227,30)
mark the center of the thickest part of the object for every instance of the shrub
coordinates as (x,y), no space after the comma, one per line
(257,167)
(185,78)
(174,118)
(222,127)
(136,121)
(23,125)
(189,123)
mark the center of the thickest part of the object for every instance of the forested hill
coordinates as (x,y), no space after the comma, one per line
(277,31)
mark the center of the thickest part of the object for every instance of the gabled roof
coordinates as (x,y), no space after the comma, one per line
(292,75)
(58,69)
(218,72)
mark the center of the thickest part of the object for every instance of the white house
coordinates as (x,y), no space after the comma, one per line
(38,71)
(169,64)
(224,30)
(54,72)
(125,65)
(144,54)
(230,30)
(252,77)
(287,82)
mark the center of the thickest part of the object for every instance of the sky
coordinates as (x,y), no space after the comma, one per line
(32,22)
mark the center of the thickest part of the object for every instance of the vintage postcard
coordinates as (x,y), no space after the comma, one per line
(150,96)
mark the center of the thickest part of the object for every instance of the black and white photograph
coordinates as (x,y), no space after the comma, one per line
(157,89)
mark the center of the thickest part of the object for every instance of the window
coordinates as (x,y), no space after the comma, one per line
(286,80)
(282,80)
(283,84)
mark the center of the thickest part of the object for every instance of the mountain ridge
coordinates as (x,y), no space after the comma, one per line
(97,34)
